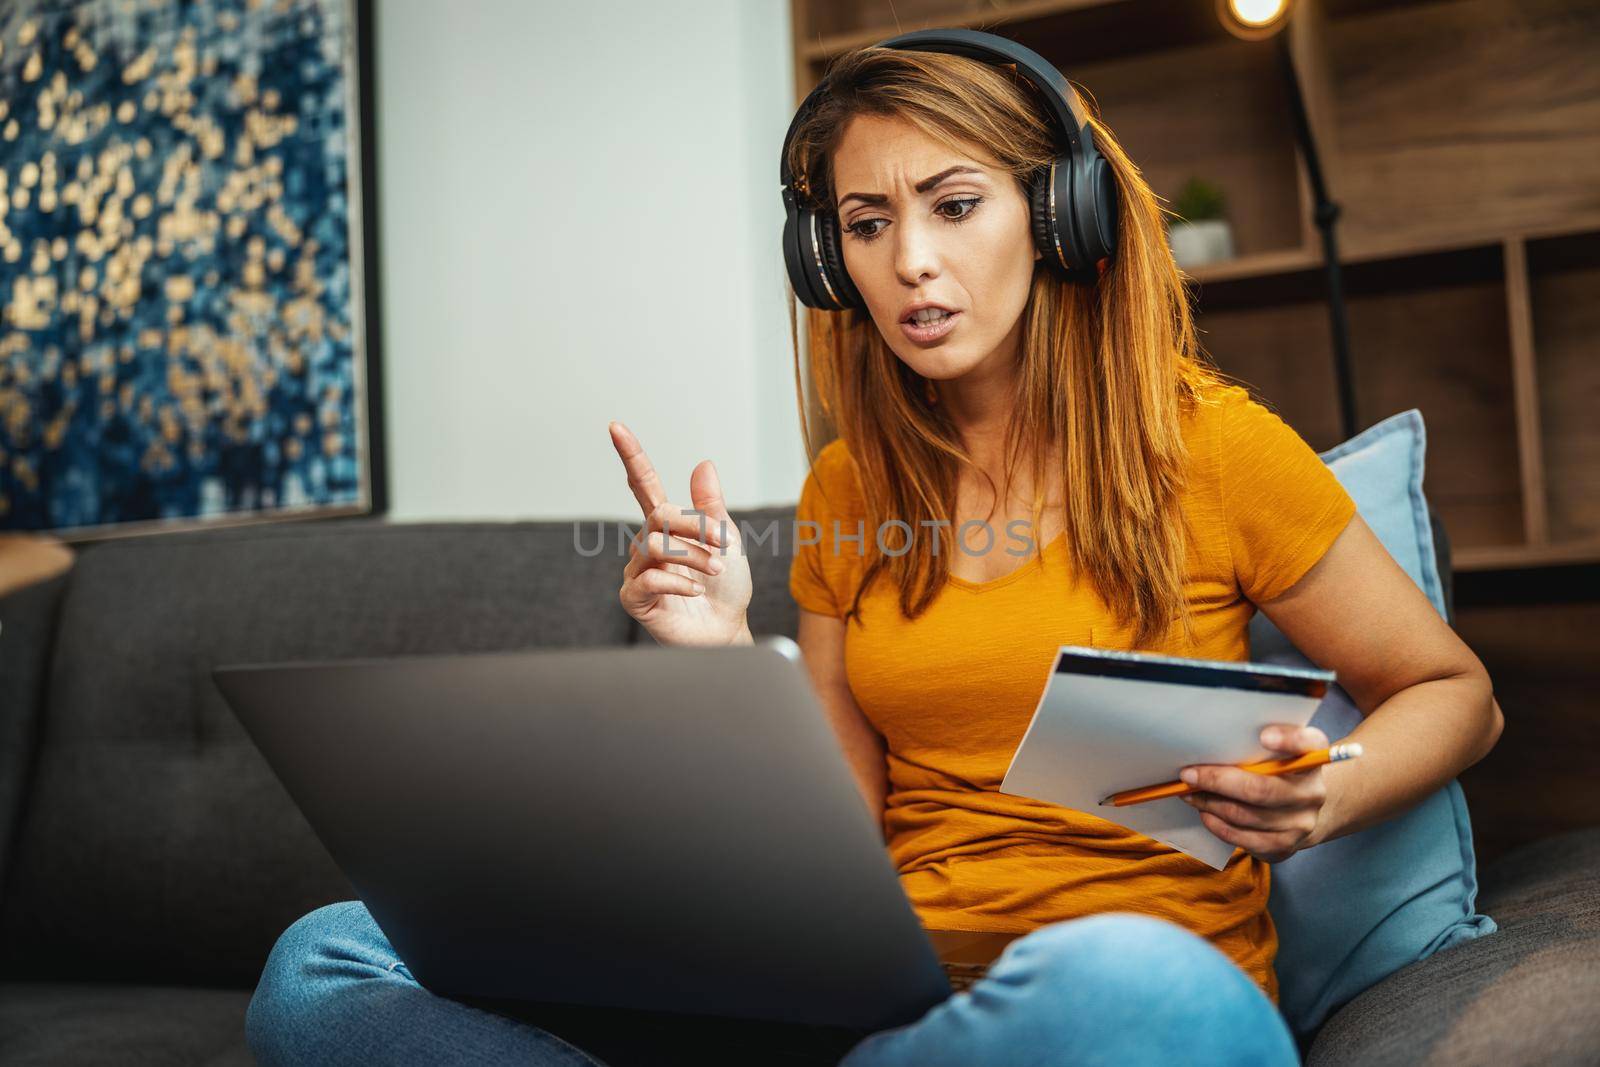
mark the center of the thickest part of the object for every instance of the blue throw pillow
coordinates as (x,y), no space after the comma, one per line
(1354,910)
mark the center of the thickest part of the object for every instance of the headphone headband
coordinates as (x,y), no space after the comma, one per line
(986,47)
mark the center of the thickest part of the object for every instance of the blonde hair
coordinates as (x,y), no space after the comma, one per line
(1104,369)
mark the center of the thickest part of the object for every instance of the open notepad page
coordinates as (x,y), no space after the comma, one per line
(1109,721)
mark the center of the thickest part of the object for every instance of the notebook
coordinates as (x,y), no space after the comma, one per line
(1110,720)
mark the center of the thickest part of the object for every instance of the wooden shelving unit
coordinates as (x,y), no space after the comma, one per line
(1462,140)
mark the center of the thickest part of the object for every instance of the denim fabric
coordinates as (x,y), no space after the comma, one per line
(1108,989)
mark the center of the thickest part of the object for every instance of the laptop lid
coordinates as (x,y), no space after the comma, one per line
(660,828)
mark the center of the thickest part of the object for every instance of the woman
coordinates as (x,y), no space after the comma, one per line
(1158,507)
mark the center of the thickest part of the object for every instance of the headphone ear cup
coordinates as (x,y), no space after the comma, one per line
(1039,217)
(1061,242)
(791,253)
(1100,224)
(833,260)
(796,230)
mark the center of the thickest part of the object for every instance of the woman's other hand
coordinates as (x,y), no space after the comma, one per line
(687,581)
(1267,815)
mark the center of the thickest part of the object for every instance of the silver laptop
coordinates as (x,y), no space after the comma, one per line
(654,828)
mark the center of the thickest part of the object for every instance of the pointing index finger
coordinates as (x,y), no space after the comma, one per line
(642,477)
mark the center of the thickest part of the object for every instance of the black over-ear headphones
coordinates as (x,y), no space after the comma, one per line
(1072,202)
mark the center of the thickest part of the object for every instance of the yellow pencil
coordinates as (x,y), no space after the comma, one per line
(1283,765)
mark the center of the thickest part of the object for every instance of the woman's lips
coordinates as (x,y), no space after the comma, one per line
(927,334)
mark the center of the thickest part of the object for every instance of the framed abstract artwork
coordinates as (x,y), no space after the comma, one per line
(188,314)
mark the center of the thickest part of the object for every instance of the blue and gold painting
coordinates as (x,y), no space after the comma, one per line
(182,326)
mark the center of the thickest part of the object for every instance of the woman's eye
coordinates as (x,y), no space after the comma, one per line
(972,200)
(855,228)
(971,203)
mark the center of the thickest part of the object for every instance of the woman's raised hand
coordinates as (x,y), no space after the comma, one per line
(687,580)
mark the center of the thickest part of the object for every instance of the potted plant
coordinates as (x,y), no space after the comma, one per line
(1200,232)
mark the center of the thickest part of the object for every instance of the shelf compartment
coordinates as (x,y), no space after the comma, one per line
(1213,110)
(1519,557)
(836,26)
(1427,331)
(1563,282)
(1096,29)
(1102,27)
(1430,145)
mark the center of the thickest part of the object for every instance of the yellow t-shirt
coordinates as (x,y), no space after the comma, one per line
(952,691)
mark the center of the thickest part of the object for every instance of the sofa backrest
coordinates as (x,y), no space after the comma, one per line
(148,839)
(154,841)
(27,630)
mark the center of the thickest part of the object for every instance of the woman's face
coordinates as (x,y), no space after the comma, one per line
(936,226)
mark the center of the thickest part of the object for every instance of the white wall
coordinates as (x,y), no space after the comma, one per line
(580,221)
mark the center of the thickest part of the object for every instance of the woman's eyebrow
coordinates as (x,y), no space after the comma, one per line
(923,186)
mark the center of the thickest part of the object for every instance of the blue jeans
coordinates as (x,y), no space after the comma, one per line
(1106,989)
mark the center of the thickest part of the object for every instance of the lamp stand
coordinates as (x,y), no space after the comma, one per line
(1326,216)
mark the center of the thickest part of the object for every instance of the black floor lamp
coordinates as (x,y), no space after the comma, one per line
(1256,20)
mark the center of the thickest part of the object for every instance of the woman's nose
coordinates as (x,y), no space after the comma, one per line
(916,254)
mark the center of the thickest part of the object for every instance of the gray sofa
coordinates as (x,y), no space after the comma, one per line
(149,858)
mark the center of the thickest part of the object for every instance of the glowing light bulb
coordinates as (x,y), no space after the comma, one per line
(1256,12)
(1253,20)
